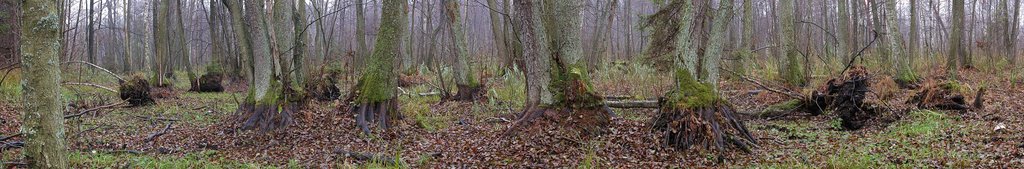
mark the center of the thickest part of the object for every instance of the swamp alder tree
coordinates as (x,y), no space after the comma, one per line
(469,87)
(551,33)
(694,113)
(43,116)
(905,75)
(375,91)
(266,106)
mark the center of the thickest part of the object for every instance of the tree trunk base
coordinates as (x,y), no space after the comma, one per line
(714,127)
(210,82)
(380,113)
(468,94)
(588,121)
(323,89)
(136,92)
(265,117)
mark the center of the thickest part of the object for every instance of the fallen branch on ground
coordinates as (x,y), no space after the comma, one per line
(158,134)
(791,94)
(11,136)
(83,112)
(629,104)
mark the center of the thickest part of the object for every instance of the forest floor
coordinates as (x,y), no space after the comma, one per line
(469,135)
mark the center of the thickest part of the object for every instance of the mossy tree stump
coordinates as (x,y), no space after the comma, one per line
(695,114)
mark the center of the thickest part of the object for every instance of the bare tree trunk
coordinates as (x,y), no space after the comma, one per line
(499,36)
(955,38)
(534,51)
(904,69)
(301,37)
(716,42)
(182,46)
(43,117)
(362,52)
(794,69)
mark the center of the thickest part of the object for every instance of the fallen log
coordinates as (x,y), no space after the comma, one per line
(633,104)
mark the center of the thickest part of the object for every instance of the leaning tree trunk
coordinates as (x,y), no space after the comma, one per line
(43,117)
(469,87)
(694,113)
(263,107)
(182,47)
(534,50)
(573,98)
(376,88)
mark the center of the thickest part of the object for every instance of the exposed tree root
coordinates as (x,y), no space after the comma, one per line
(694,114)
(380,113)
(946,97)
(712,127)
(582,110)
(266,117)
(136,92)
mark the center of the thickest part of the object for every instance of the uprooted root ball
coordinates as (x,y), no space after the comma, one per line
(210,82)
(845,96)
(946,96)
(135,91)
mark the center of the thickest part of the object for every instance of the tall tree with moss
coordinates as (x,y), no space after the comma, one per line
(693,112)
(956,35)
(265,106)
(551,32)
(43,116)
(894,42)
(375,95)
(793,73)
(469,87)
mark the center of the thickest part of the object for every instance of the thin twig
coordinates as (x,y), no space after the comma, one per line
(759,84)
(158,134)
(98,67)
(83,112)
(11,136)
(91,85)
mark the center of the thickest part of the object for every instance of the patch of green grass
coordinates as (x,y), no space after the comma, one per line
(854,158)
(511,92)
(591,160)
(922,124)
(418,107)
(205,159)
